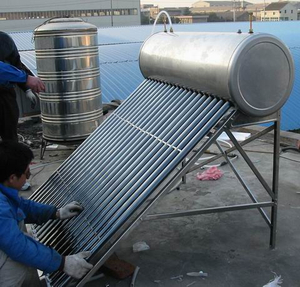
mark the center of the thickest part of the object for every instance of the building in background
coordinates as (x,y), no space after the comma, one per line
(190,19)
(224,11)
(280,11)
(218,6)
(149,13)
(20,15)
(256,9)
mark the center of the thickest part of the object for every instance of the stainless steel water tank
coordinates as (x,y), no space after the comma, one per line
(68,63)
(256,71)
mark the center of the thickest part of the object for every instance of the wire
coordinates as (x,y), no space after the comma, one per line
(46,164)
(290,148)
(34,175)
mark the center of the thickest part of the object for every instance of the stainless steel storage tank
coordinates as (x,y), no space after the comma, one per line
(68,63)
(255,71)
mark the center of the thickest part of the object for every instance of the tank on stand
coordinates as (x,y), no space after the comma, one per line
(67,61)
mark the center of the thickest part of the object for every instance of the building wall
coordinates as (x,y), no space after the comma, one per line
(213,9)
(16,16)
(192,19)
(201,4)
(287,13)
(204,4)
(154,12)
(53,5)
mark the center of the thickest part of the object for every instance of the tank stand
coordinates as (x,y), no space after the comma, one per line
(46,143)
(43,148)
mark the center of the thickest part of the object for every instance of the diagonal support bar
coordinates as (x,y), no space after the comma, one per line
(243,183)
(249,162)
(252,138)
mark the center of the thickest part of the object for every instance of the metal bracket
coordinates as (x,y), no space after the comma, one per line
(273,192)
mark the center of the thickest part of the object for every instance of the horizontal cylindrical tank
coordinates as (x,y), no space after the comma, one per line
(68,63)
(255,71)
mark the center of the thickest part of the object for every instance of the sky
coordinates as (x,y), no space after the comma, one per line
(187,3)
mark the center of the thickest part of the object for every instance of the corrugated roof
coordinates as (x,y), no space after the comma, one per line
(118,79)
(276,6)
(23,40)
(119,49)
(291,110)
(119,53)
(137,34)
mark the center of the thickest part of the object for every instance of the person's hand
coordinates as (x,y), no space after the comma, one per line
(76,266)
(70,210)
(31,97)
(35,84)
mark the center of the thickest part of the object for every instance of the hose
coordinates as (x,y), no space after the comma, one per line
(169,18)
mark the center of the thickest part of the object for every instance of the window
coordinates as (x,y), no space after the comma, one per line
(284,11)
(292,11)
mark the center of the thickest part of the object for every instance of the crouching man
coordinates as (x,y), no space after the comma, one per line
(20,253)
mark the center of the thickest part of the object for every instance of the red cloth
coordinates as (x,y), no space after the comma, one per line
(213,173)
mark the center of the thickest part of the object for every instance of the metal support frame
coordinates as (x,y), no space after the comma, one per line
(272,191)
(189,165)
(168,186)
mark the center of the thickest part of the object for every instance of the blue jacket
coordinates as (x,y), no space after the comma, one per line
(9,73)
(17,245)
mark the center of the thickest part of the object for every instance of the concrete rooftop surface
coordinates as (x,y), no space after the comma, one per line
(231,247)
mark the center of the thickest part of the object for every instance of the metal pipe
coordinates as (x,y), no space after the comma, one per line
(275,182)
(146,152)
(207,210)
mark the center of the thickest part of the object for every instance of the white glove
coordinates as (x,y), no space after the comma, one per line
(70,210)
(32,98)
(75,265)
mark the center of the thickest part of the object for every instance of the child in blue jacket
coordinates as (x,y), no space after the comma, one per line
(18,251)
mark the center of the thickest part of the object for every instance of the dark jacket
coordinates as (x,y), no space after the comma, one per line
(9,54)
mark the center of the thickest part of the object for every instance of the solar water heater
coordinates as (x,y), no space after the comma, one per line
(196,85)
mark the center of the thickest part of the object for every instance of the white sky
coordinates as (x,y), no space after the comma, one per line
(187,3)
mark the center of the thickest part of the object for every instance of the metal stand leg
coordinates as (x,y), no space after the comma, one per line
(275,183)
(43,148)
(272,191)
(183,179)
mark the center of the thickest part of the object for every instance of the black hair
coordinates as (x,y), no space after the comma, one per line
(14,159)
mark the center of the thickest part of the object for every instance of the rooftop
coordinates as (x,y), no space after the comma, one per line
(231,247)
(119,52)
(276,6)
